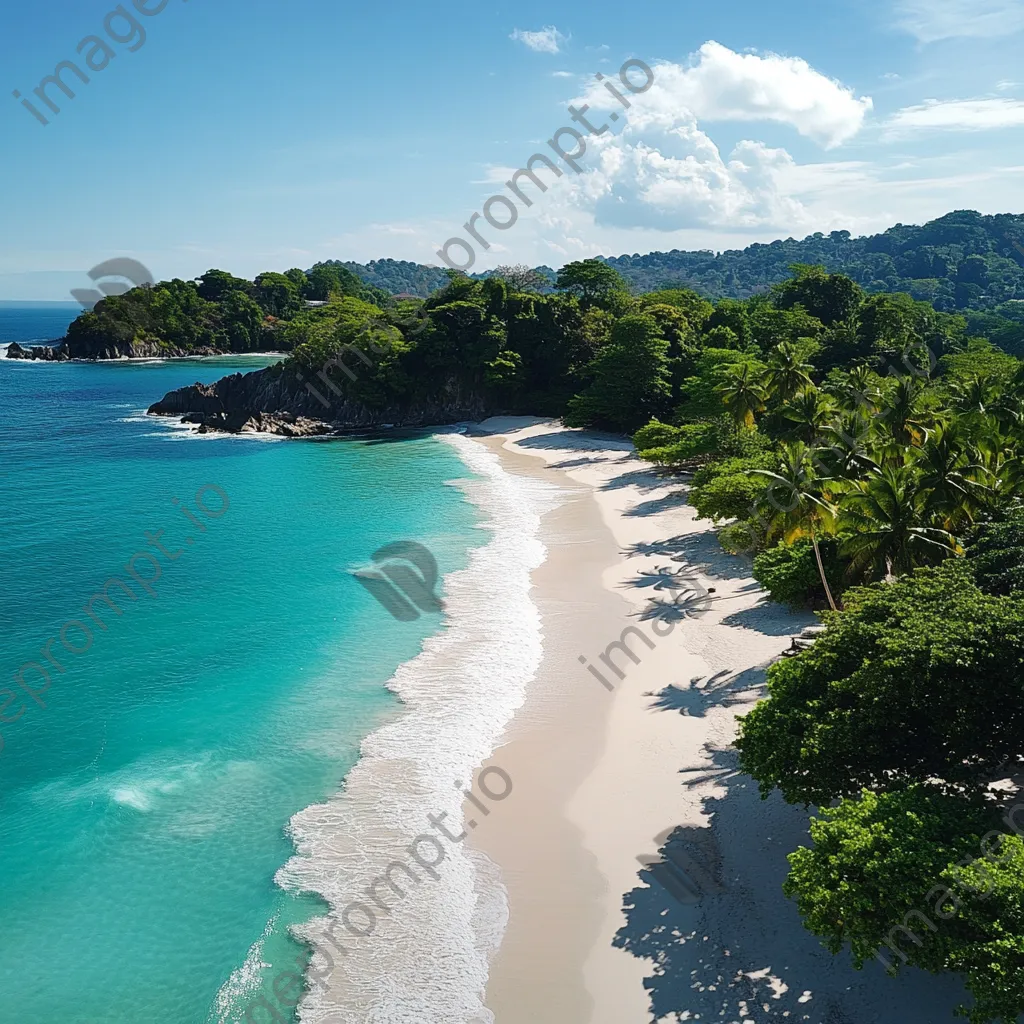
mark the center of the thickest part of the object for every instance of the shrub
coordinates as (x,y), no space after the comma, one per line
(726,490)
(995,551)
(789,572)
(917,680)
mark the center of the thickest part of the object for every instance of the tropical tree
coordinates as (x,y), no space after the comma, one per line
(916,681)
(743,394)
(593,282)
(903,416)
(787,371)
(848,442)
(796,496)
(630,383)
(886,524)
(945,475)
(811,411)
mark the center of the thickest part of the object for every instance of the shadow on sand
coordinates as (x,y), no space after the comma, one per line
(724,942)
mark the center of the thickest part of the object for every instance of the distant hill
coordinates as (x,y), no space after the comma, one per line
(962,261)
(400,276)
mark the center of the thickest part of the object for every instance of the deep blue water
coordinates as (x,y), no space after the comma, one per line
(34,321)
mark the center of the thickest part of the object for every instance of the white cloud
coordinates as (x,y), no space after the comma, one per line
(561,74)
(933,20)
(664,172)
(722,85)
(545,40)
(958,115)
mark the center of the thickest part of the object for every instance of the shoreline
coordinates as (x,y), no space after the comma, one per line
(401,941)
(4,346)
(614,781)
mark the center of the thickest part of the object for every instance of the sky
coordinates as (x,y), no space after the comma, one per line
(256,135)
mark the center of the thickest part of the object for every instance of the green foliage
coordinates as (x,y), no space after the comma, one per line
(630,379)
(927,259)
(693,306)
(876,858)
(830,298)
(593,282)
(789,572)
(331,279)
(916,680)
(920,877)
(173,314)
(699,396)
(979,360)
(726,490)
(278,295)
(995,553)
(676,446)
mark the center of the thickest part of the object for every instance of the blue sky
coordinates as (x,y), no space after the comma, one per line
(255,135)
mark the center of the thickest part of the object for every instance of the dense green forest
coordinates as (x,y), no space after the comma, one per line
(962,261)
(216,311)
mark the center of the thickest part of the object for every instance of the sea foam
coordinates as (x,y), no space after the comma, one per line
(428,958)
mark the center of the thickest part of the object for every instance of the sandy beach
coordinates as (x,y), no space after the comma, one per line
(633,766)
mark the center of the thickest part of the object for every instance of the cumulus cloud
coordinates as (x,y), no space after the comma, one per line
(958,115)
(934,20)
(722,85)
(545,40)
(663,171)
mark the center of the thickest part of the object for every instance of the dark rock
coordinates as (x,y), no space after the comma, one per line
(274,400)
(47,353)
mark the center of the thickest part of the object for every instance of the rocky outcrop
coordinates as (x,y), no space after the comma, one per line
(277,400)
(61,351)
(48,353)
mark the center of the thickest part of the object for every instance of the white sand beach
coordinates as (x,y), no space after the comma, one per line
(606,779)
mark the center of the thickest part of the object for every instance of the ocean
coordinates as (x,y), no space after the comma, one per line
(177,792)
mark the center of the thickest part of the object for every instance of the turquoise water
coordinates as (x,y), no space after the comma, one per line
(144,807)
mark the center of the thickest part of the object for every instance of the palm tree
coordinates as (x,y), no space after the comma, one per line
(787,372)
(861,391)
(996,471)
(888,522)
(801,508)
(946,469)
(811,410)
(975,395)
(903,419)
(743,394)
(849,439)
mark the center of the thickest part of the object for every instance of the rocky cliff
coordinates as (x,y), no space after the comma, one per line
(275,400)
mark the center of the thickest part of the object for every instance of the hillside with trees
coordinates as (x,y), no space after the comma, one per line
(963,262)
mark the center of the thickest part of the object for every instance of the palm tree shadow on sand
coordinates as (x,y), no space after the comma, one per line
(726,945)
(722,690)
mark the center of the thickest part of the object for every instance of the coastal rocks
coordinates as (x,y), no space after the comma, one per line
(283,424)
(61,351)
(47,353)
(274,400)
